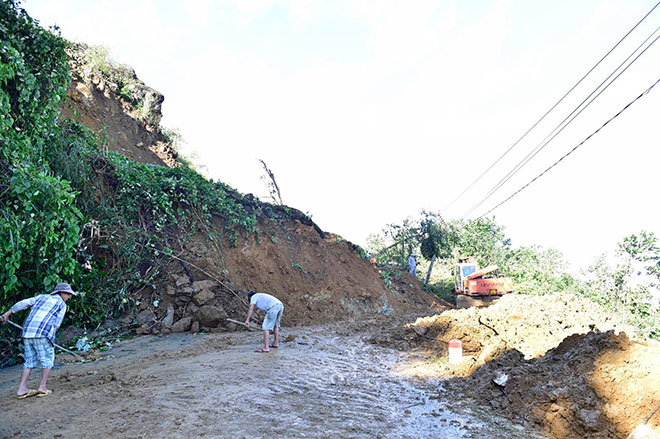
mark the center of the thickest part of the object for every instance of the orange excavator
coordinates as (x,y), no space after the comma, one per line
(476,286)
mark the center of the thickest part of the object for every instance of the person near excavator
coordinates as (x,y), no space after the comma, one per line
(412,262)
(273,308)
(39,331)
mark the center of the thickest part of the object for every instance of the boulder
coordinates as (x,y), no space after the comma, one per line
(194,328)
(66,336)
(211,316)
(146,316)
(202,297)
(182,280)
(169,318)
(203,285)
(182,325)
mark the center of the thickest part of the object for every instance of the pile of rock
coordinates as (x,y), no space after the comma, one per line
(185,307)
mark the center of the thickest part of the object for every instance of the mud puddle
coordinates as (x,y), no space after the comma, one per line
(320,385)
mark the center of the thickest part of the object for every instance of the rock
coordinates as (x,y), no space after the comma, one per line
(194,328)
(109,324)
(66,336)
(182,325)
(182,280)
(231,326)
(186,290)
(151,108)
(170,291)
(169,318)
(211,316)
(202,297)
(146,316)
(144,329)
(203,285)
(589,418)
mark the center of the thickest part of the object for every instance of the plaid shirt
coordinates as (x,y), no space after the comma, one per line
(45,317)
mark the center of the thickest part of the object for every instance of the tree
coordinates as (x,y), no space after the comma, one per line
(437,239)
(482,239)
(273,189)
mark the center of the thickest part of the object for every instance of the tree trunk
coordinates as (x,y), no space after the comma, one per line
(428,273)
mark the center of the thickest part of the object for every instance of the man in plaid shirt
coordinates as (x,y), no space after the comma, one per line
(39,334)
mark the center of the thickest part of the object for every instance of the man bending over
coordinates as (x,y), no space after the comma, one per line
(273,309)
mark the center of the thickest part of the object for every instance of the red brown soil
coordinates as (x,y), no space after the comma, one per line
(568,370)
(319,279)
(92,101)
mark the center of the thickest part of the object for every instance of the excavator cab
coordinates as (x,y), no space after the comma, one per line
(472,281)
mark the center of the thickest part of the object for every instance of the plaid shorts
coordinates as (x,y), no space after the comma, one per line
(40,349)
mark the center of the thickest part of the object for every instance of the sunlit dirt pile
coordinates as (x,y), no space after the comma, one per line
(565,366)
(529,324)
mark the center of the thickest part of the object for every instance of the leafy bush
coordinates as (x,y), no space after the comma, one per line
(70,211)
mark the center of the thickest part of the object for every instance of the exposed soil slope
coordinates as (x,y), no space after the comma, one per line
(319,279)
(567,368)
(94,101)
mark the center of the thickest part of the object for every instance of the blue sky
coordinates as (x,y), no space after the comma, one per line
(369,111)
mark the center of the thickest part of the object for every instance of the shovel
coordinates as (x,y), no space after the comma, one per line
(243,324)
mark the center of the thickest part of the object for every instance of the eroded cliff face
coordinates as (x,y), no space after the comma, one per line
(111,100)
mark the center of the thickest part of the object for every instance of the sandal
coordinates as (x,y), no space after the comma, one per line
(27,394)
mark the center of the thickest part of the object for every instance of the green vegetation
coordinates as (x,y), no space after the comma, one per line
(69,210)
(625,286)
(297,266)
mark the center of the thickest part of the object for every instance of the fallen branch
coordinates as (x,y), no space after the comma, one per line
(54,344)
(488,326)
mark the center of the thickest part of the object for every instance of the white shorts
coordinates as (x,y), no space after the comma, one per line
(273,317)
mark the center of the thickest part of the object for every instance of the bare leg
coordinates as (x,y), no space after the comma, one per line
(22,387)
(276,333)
(266,334)
(44,378)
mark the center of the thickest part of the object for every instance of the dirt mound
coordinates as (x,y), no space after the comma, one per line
(567,368)
(531,325)
(598,385)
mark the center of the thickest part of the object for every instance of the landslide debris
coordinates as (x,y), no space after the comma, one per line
(569,368)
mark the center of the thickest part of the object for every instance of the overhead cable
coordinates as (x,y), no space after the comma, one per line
(567,121)
(644,93)
(550,110)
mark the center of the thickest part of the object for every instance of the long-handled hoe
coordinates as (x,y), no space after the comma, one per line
(56,345)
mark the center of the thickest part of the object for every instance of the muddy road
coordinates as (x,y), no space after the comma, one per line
(319,385)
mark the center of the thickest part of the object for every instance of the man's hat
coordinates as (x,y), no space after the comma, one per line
(63,288)
(251,293)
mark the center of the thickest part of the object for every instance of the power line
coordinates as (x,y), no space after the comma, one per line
(563,124)
(550,110)
(644,93)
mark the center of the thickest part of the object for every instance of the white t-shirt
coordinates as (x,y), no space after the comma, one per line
(264,301)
